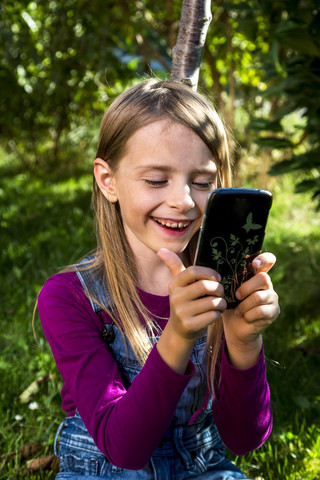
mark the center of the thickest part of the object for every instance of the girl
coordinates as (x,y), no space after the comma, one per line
(148,394)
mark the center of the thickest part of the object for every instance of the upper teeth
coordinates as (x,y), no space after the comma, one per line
(173,224)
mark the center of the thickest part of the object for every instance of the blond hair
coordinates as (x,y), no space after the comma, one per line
(140,105)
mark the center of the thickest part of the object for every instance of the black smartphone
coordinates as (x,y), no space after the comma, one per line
(231,235)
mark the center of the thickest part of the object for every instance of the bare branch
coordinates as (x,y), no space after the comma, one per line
(187,53)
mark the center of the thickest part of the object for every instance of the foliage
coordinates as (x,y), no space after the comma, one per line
(38,239)
(292,343)
(62,62)
(262,61)
(36,242)
(292,78)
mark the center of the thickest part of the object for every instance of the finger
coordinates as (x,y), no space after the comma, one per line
(262,315)
(209,304)
(172,261)
(195,273)
(204,287)
(201,305)
(261,281)
(204,319)
(256,299)
(264,262)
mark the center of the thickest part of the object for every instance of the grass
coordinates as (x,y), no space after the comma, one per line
(292,343)
(45,223)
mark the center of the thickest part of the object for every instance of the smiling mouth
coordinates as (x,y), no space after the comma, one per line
(178,226)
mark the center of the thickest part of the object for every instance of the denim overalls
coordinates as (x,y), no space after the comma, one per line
(188,450)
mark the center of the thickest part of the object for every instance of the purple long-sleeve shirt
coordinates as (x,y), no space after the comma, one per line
(127,425)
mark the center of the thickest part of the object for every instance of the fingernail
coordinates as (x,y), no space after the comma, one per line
(238,295)
(237,312)
(257,263)
(218,277)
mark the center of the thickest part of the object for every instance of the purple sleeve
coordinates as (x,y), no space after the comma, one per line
(241,408)
(126,426)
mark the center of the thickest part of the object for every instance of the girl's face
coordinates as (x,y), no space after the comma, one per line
(162,184)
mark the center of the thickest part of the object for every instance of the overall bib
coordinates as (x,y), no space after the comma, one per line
(188,450)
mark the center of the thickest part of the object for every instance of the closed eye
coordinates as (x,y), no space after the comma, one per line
(155,183)
(203,185)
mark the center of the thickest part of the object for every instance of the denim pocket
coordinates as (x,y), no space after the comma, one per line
(80,463)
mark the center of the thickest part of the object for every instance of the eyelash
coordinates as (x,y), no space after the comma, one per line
(204,186)
(160,183)
(156,183)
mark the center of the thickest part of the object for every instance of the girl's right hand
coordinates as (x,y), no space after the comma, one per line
(196,301)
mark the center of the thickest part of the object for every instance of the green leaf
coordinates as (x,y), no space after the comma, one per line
(274,142)
(307,185)
(259,124)
(285,166)
(309,160)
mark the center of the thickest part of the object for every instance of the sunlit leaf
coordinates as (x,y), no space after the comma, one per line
(274,142)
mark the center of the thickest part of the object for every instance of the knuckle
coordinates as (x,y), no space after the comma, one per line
(263,276)
(203,286)
(212,302)
(180,310)
(173,294)
(209,287)
(259,313)
(222,304)
(220,290)
(218,304)
(193,269)
(276,311)
(257,297)
(265,279)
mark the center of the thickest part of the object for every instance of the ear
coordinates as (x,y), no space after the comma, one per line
(105,179)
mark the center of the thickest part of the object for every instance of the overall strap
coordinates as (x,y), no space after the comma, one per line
(95,286)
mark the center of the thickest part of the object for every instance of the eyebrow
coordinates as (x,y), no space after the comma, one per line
(168,169)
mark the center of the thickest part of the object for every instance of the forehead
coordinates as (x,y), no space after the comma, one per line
(162,131)
(168,143)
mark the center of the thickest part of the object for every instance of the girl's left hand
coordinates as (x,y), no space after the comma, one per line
(259,307)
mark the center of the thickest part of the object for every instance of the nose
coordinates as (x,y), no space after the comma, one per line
(180,198)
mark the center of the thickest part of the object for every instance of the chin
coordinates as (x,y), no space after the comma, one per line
(178,250)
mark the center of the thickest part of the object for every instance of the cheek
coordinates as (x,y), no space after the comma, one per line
(198,225)
(129,199)
(201,202)
(134,208)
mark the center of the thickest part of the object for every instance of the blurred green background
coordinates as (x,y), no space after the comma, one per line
(61,65)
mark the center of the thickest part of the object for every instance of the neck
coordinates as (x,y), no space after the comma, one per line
(154,276)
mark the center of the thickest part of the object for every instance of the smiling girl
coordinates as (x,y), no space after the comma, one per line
(128,325)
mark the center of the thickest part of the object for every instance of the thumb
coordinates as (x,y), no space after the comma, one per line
(264,262)
(172,261)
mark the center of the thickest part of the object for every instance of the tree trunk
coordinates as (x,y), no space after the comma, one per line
(187,53)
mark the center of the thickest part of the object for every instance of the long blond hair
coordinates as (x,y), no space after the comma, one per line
(140,105)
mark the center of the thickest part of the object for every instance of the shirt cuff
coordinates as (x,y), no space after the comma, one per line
(160,364)
(234,371)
